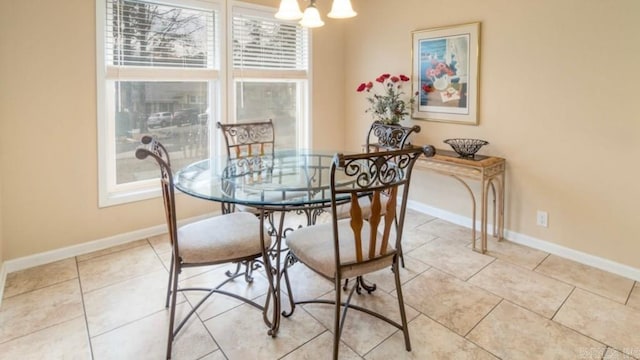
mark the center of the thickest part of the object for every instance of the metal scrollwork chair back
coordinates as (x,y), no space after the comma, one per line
(250,150)
(381,137)
(230,238)
(388,136)
(359,247)
(249,139)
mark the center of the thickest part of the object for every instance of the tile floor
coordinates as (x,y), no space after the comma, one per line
(512,303)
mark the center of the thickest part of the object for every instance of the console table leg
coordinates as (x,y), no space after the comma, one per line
(501,207)
(494,219)
(483,217)
(473,212)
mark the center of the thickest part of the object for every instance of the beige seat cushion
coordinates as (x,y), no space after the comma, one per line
(221,238)
(313,246)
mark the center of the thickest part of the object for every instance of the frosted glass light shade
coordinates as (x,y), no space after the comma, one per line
(341,9)
(289,10)
(311,17)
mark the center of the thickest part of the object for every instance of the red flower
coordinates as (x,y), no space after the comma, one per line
(427,88)
(395,79)
(404,78)
(369,85)
(361,87)
(385,76)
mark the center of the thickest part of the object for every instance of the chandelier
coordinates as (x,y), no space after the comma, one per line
(289,10)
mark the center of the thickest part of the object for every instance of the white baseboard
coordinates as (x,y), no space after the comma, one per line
(526,240)
(85,248)
(81,249)
(575,255)
(3,279)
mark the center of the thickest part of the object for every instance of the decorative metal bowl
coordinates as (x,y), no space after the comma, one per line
(466,148)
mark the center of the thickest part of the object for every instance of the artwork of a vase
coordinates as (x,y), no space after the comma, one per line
(441,83)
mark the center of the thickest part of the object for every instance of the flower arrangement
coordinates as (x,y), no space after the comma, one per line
(439,69)
(439,73)
(389,107)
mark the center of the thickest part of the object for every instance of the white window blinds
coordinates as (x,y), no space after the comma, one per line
(261,42)
(148,34)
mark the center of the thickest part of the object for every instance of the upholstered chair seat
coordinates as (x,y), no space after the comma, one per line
(311,247)
(220,238)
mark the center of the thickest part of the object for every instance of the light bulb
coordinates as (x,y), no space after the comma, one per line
(289,10)
(341,9)
(311,17)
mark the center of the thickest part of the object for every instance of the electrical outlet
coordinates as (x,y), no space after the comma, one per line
(542,218)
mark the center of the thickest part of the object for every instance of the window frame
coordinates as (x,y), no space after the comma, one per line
(302,77)
(109,192)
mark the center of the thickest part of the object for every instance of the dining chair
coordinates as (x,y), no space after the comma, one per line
(388,136)
(228,238)
(249,146)
(381,137)
(353,247)
(248,138)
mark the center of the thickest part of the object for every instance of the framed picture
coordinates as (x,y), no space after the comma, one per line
(445,72)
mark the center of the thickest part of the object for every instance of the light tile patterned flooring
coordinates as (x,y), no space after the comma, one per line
(512,303)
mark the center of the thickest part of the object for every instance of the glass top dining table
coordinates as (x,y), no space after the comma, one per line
(286,180)
(271,186)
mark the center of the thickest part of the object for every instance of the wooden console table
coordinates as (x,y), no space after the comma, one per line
(490,171)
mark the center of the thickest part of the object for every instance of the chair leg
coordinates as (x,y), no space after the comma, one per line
(166,304)
(336,321)
(401,254)
(172,311)
(248,273)
(227,208)
(230,273)
(360,284)
(403,315)
(399,244)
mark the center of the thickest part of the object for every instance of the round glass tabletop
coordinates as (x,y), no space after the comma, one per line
(289,178)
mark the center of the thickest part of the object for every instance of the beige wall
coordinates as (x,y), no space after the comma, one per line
(328,101)
(557,100)
(1,237)
(558,88)
(3,130)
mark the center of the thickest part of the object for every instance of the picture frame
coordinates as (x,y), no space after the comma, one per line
(445,73)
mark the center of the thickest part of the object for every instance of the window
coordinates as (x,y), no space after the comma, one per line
(270,74)
(161,77)
(159,73)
